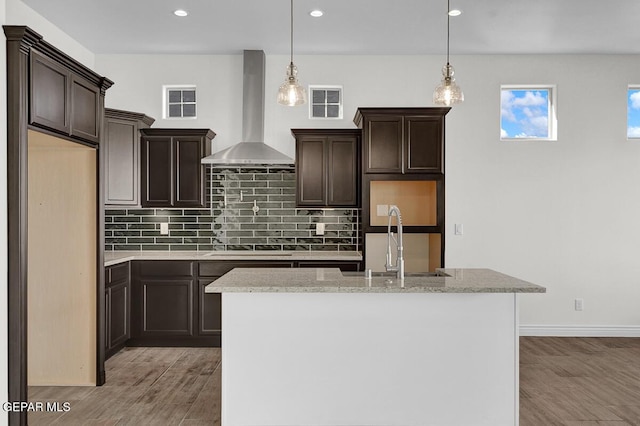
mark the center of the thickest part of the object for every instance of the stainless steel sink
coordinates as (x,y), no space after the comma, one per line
(392,274)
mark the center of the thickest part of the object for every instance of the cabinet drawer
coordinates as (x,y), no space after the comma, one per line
(117,273)
(219,268)
(163,268)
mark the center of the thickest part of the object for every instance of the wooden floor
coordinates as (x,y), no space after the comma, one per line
(563,382)
(579,381)
(145,386)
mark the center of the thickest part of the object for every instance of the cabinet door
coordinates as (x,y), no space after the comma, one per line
(157,169)
(210,310)
(50,84)
(342,171)
(107,321)
(424,141)
(383,144)
(167,307)
(118,315)
(310,171)
(189,177)
(121,162)
(85,109)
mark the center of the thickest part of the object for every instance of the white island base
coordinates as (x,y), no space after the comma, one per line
(369,359)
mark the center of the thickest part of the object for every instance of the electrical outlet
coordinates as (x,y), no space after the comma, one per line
(164,228)
(319,228)
(579,304)
(382,209)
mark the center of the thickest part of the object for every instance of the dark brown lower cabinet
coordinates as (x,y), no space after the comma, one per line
(210,315)
(117,308)
(166,305)
(169,305)
(209,311)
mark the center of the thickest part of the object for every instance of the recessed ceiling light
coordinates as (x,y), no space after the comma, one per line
(316,13)
(455,12)
(180,12)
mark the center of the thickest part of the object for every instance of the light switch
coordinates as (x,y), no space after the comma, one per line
(164,228)
(319,228)
(458,229)
(382,209)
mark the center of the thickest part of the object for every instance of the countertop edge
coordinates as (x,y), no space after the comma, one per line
(331,280)
(115,258)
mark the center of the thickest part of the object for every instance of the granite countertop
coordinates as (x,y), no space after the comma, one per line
(115,257)
(331,280)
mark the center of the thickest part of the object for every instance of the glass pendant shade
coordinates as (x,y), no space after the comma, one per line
(448,92)
(291,92)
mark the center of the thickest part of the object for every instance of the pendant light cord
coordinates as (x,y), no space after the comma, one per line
(448,18)
(292,31)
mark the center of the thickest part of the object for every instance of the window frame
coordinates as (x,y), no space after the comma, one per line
(165,100)
(636,88)
(552,122)
(326,87)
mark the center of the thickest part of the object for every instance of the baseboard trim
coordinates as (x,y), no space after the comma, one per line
(580,330)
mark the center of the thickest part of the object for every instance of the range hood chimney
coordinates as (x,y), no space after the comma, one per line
(252,149)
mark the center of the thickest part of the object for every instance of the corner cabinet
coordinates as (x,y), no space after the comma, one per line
(327,167)
(171,172)
(402,140)
(122,156)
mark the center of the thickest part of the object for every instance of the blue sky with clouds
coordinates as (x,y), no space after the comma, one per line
(524,113)
(633,113)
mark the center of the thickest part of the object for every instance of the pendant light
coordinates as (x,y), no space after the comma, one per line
(291,92)
(448,92)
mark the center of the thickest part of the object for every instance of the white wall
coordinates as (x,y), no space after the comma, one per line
(19,13)
(561,214)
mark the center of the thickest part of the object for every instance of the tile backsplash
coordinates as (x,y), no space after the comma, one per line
(230,223)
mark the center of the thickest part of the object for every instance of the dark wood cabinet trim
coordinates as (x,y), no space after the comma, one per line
(21,41)
(128,115)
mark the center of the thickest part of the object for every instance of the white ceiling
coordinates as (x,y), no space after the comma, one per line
(349,26)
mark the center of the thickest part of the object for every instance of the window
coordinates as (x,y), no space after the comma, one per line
(326,102)
(179,101)
(633,112)
(528,112)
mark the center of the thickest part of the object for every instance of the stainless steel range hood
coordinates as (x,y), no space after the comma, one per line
(252,149)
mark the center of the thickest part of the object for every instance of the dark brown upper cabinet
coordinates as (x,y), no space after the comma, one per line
(50,86)
(327,167)
(122,156)
(402,140)
(172,175)
(63,101)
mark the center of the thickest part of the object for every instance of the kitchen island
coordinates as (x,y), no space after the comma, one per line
(316,347)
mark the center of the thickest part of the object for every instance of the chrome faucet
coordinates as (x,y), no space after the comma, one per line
(399,266)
